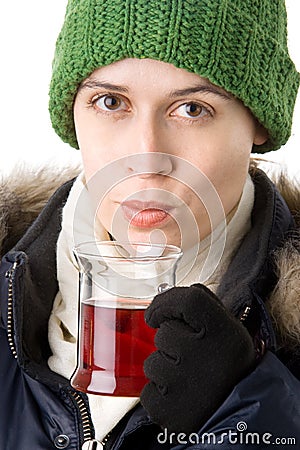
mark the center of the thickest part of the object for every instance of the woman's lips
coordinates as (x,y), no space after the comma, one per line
(145,214)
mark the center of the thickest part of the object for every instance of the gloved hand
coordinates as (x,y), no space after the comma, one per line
(203,352)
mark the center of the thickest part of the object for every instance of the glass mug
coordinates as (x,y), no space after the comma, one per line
(117,282)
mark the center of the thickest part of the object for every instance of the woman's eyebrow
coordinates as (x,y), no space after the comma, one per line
(207,88)
(204,88)
(95,84)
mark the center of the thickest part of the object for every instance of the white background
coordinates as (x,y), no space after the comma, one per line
(28,33)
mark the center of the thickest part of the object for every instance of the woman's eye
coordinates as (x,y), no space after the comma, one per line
(192,110)
(110,103)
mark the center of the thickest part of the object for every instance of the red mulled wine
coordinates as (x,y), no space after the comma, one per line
(115,341)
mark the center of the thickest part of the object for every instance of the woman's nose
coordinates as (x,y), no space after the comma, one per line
(148,164)
(151,155)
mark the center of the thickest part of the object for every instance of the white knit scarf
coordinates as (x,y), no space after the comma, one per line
(106,411)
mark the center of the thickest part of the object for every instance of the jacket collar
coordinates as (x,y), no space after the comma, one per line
(251,277)
(250,272)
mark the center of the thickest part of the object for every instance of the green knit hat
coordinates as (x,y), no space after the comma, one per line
(239,45)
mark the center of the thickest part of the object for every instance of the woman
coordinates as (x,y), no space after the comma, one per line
(166,102)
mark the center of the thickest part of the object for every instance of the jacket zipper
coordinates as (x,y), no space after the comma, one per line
(105,440)
(245,314)
(10,335)
(87,432)
(84,416)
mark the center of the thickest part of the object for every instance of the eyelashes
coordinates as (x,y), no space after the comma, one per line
(192,111)
(109,102)
(113,104)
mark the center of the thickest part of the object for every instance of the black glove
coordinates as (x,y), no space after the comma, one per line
(203,352)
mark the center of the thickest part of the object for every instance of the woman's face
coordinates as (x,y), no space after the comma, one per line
(154,128)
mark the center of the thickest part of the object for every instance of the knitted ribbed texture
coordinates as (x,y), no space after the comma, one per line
(240,45)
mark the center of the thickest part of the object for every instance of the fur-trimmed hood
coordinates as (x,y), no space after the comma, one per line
(24,193)
(284,302)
